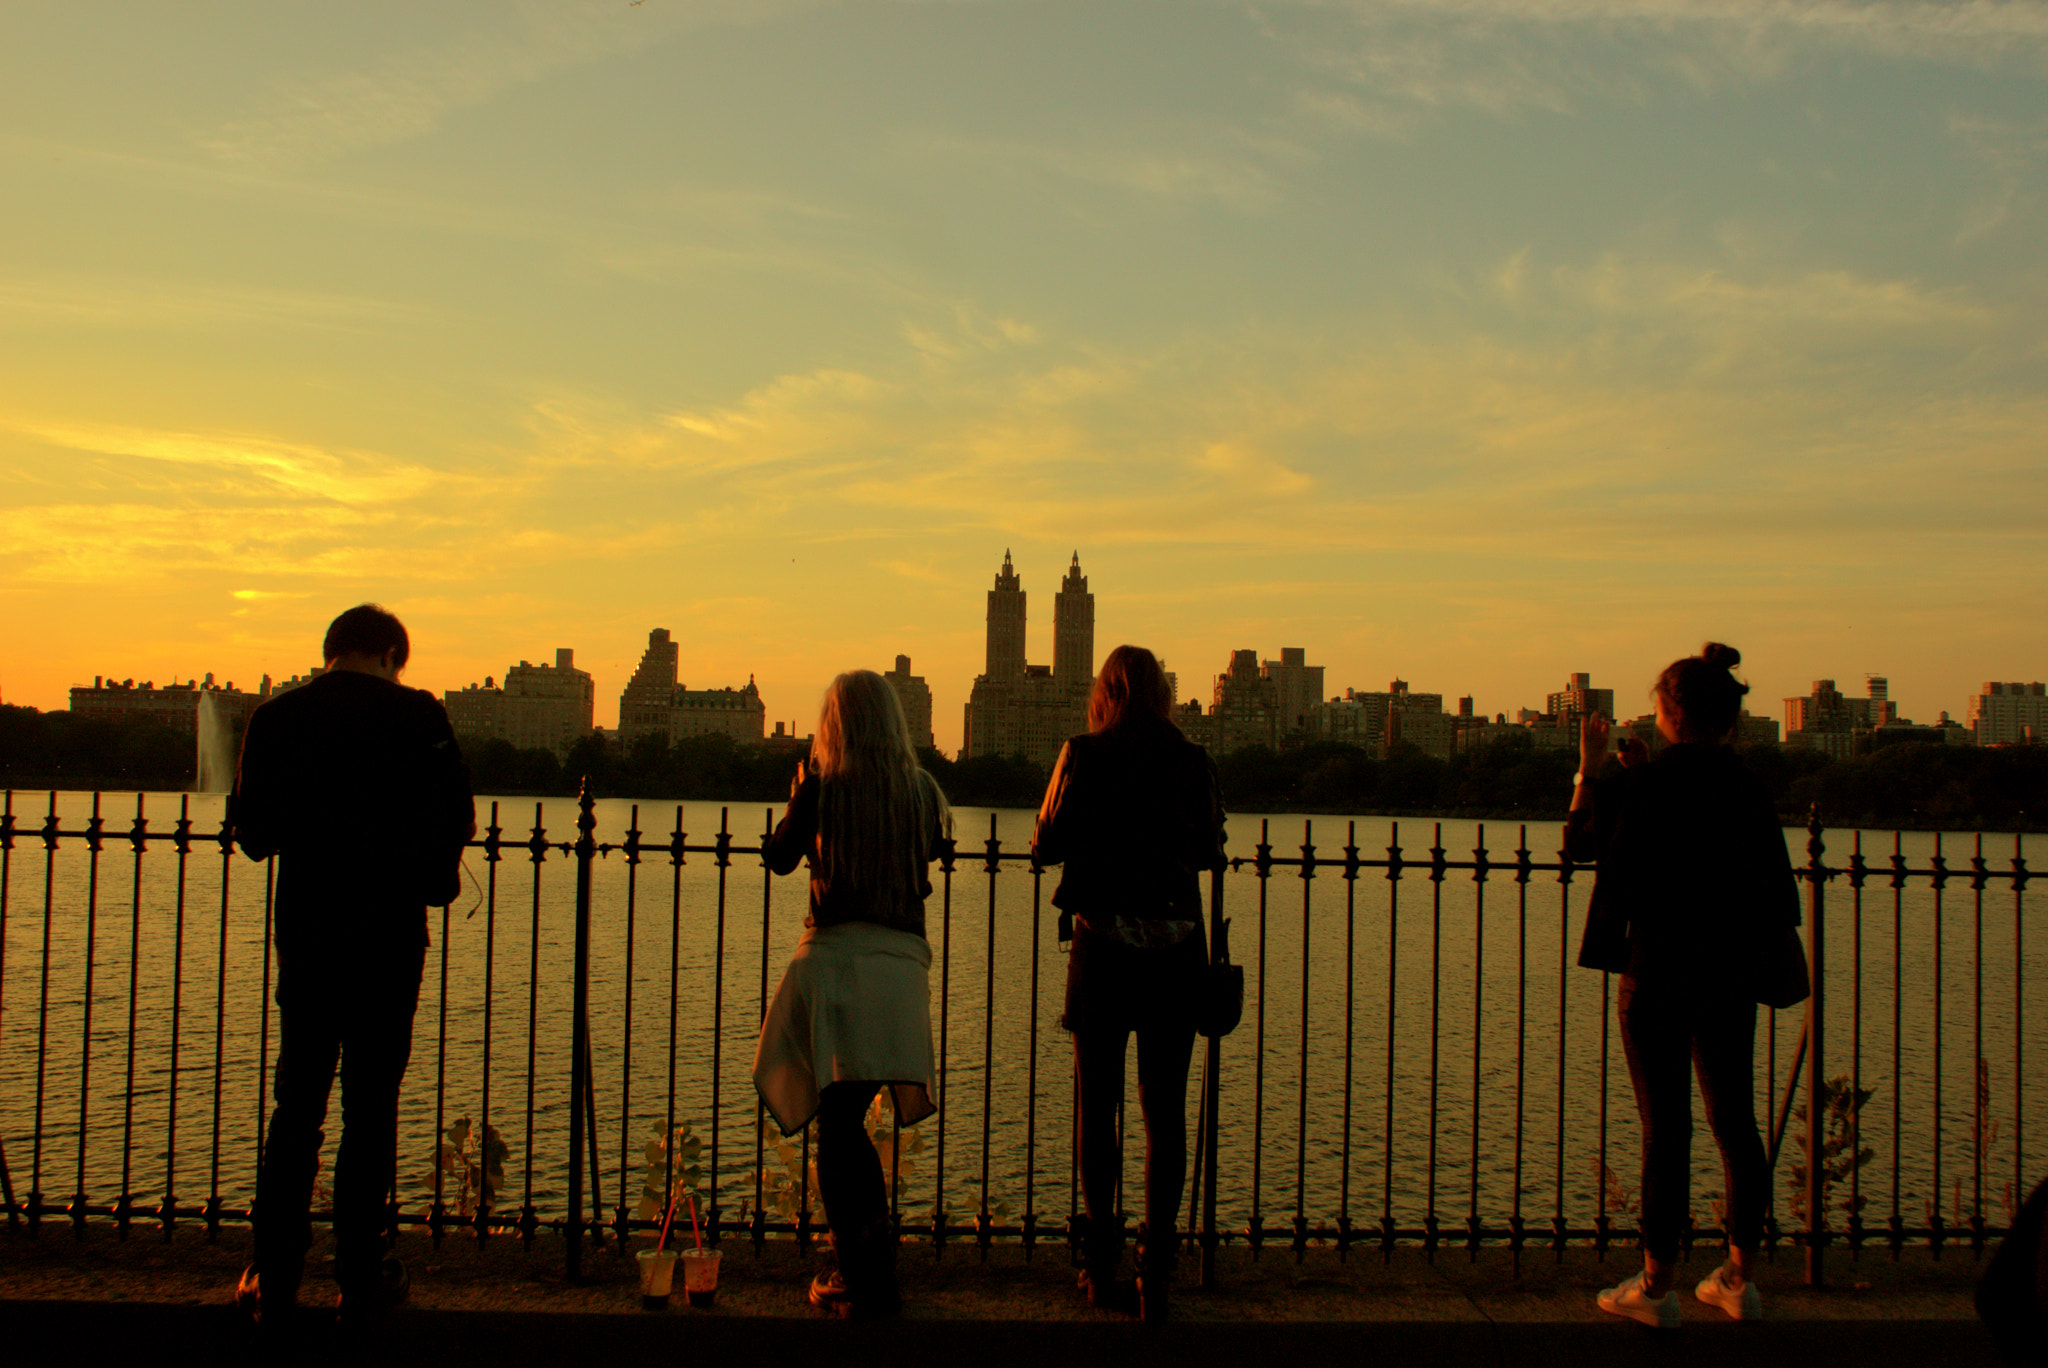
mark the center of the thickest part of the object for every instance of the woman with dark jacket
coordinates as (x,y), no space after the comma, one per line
(1694,890)
(1134,814)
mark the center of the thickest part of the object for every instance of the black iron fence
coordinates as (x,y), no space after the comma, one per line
(1423,1067)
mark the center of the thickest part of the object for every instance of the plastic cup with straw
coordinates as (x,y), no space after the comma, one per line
(700,1265)
(658,1265)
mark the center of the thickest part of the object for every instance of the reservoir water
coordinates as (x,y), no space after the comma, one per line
(1483,1073)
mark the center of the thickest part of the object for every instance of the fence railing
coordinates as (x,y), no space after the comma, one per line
(1433,1071)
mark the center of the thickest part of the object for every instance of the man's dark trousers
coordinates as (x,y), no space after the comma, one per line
(354,1012)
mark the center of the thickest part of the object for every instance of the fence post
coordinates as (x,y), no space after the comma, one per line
(1212,1094)
(579,1043)
(1816,1082)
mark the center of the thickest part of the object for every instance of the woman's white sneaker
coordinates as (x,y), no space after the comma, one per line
(1736,1295)
(1630,1300)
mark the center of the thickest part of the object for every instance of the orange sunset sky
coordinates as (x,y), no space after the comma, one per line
(1471,343)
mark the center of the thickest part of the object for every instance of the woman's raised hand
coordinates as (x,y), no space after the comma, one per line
(1592,742)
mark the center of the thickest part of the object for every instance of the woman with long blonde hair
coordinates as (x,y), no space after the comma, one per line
(853,1012)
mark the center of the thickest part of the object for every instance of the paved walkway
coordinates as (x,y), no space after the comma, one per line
(63,1295)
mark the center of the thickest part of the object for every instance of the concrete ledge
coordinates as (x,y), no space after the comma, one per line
(60,1293)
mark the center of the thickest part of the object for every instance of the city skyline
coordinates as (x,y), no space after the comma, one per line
(1476,345)
(655,682)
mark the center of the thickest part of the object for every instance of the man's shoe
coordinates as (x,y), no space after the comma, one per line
(276,1308)
(828,1293)
(391,1287)
(1154,1286)
(1101,1290)
(1630,1300)
(1733,1293)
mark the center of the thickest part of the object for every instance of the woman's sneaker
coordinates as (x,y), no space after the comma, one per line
(1733,1293)
(1630,1300)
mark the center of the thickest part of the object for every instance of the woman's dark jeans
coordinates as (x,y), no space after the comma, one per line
(1669,1034)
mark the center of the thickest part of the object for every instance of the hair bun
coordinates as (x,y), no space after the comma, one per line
(1719,656)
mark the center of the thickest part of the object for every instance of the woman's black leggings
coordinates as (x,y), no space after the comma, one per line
(1668,1036)
(1164,1053)
(849,1170)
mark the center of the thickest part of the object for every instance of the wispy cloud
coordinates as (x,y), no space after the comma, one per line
(1405,59)
(408,94)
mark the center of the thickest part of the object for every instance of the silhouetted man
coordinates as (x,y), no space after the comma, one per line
(355,782)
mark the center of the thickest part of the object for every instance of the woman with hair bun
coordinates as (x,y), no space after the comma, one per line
(1135,814)
(853,1012)
(1694,888)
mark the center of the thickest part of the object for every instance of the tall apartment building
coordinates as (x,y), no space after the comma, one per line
(1244,707)
(1578,698)
(1838,724)
(644,702)
(2009,714)
(916,697)
(653,703)
(1017,708)
(540,707)
(1297,689)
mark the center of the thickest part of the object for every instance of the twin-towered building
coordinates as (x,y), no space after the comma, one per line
(1016,708)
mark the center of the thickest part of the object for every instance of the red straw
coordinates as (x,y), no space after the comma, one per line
(694,1227)
(668,1216)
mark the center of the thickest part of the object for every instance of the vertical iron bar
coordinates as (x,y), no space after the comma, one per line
(1308,873)
(632,853)
(760,1105)
(1934,1143)
(1393,963)
(1564,962)
(1478,1027)
(1436,945)
(579,1031)
(220,1018)
(538,852)
(988,1042)
(2019,1035)
(92,915)
(1212,1095)
(723,857)
(437,1217)
(182,838)
(6,879)
(1264,869)
(483,1107)
(35,1178)
(1031,1070)
(675,971)
(1816,1081)
(125,1202)
(1898,998)
(1521,1027)
(1979,1066)
(945,1024)
(1856,1044)
(1350,1029)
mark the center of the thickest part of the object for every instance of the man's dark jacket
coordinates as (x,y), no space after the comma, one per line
(356,783)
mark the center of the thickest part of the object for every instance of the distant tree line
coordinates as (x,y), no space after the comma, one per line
(1509,778)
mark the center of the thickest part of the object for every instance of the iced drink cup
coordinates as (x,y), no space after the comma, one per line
(700,1276)
(657,1276)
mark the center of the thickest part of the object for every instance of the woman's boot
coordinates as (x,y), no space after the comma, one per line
(1155,1277)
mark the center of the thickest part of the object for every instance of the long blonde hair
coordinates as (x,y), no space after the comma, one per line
(876,805)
